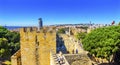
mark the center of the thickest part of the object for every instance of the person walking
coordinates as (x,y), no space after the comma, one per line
(76,51)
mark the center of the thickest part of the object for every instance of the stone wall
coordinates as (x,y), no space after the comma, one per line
(16,58)
(72,44)
(77,30)
(36,46)
(53,58)
(28,46)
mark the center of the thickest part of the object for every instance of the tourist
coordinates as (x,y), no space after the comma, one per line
(73,51)
(58,59)
(76,51)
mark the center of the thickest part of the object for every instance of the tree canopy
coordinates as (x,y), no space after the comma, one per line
(80,35)
(103,42)
(61,31)
(9,42)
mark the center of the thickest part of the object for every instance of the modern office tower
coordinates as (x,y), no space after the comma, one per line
(40,24)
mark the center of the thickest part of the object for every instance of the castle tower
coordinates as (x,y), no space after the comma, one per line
(36,46)
(40,24)
(27,46)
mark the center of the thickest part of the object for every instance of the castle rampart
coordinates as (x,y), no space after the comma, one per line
(36,45)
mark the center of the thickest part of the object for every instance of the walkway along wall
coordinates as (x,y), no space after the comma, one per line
(72,44)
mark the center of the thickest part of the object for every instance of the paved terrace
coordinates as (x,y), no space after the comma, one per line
(71,59)
(77,59)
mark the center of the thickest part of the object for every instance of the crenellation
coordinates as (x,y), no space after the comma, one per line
(28,29)
(22,30)
(36,45)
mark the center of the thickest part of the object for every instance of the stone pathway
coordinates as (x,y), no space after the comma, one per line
(60,59)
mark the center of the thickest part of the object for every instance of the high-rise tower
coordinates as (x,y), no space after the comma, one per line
(40,24)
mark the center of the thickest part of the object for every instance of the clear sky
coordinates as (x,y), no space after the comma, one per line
(27,12)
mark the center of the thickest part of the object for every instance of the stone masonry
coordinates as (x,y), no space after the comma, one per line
(36,46)
(39,48)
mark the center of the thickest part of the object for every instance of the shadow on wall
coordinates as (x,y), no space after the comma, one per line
(60,45)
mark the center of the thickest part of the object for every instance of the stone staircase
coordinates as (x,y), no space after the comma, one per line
(53,59)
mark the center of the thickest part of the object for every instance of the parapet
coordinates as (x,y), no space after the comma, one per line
(16,58)
(28,29)
(16,55)
(35,29)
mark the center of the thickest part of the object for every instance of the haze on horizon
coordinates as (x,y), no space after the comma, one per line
(27,12)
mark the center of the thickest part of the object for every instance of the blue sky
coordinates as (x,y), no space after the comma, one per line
(27,12)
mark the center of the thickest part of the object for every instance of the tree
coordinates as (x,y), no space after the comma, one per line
(84,27)
(103,42)
(4,51)
(80,36)
(61,31)
(12,37)
(9,43)
(3,31)
(119,23)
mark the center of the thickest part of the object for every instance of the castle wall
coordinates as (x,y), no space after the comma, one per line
(36,46)
(47,42)
(28,42)
(16,58)
(71,44)
(53,58)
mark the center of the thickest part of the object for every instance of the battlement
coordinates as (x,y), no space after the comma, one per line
(36,45)
(35,29)
(28,29)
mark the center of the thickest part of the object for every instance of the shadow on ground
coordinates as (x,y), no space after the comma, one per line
(109,64)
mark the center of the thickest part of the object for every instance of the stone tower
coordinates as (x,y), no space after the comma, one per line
(36,46)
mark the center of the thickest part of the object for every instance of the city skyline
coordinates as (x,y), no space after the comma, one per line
(27,12)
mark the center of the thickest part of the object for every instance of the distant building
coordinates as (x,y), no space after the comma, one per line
(40,23)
